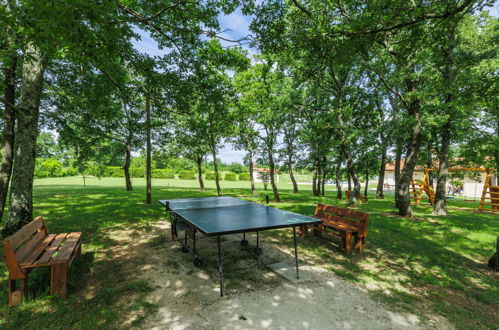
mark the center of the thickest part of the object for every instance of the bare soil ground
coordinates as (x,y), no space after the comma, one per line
(187,297)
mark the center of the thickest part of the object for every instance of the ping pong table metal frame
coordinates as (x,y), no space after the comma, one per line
(175,218)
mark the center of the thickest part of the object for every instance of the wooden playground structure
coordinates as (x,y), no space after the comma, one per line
(490,193)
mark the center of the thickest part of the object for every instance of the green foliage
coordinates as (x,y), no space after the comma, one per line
(114,172)
(48,168)
(210,176)
(230,176)
(244,177)
(137,172)
(186,175)
(163,174)
(96,170)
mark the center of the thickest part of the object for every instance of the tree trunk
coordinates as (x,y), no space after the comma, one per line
(277,199)
(429,162)
(21,192)
(217,178)
(339,194)
(126,165)
(440,206)
(349,178)
(411,158)
(292,176)
(381,174)
(323,182)
(148,150)
(396,174)
(314,183)
(252,179)
(356,184)
(9,117)
(366,187)
(199,162)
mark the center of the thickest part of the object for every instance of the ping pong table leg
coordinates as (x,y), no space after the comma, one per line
(296,252)
(220,268)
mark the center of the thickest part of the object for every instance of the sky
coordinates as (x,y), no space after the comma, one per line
(235,26)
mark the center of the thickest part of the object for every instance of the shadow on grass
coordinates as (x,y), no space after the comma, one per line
(436,259)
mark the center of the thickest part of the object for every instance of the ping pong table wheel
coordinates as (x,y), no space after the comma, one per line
(257,251)
(244,243)
(185,249)
(198,262)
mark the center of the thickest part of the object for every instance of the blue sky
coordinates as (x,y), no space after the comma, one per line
(236,26)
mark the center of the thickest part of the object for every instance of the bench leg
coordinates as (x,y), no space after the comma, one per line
(78,252)
(303,230)
(359,243)
(348,242)
(16,295)
(59,280)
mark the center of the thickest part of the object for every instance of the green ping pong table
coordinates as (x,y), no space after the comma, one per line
(217,216)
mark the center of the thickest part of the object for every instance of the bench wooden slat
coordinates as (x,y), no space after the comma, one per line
(30,259)
(27,248)
(49,252)
(26,232)
(68,247)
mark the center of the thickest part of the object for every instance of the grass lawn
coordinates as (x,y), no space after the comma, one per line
(428,265)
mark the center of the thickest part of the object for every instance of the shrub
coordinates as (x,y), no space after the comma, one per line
(186,175)
(48,168)
(96,170)
(69,171)
(163,174)
(244,177)
(230,176)
(210,175)
(137,172)
(114,172)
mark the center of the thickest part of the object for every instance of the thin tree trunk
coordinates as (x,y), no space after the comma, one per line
(339,194)
(398,159)
(349,178)
(277,199)
(366,187)
(217,178)
(21,192)
(429,162)
(199,162)
(314,183)
(381,174)
(356,184)
(291,174)
(323,183)
(126,165)
(252,179)
(148,150)
(9,117)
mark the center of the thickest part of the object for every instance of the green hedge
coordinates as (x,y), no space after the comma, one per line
(230,176)
(210,176)
(244,177)
(186,175)
(48,168)
(163,174)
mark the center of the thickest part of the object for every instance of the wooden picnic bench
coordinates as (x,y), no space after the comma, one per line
(31,247)
(348,224)
(360,197)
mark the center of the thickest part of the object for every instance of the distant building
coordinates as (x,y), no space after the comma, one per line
(257,174)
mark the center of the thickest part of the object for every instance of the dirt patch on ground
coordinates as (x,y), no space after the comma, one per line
(187,297)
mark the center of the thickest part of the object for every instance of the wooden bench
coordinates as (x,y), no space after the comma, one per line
(32,246)
(345,223)
(360,197)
